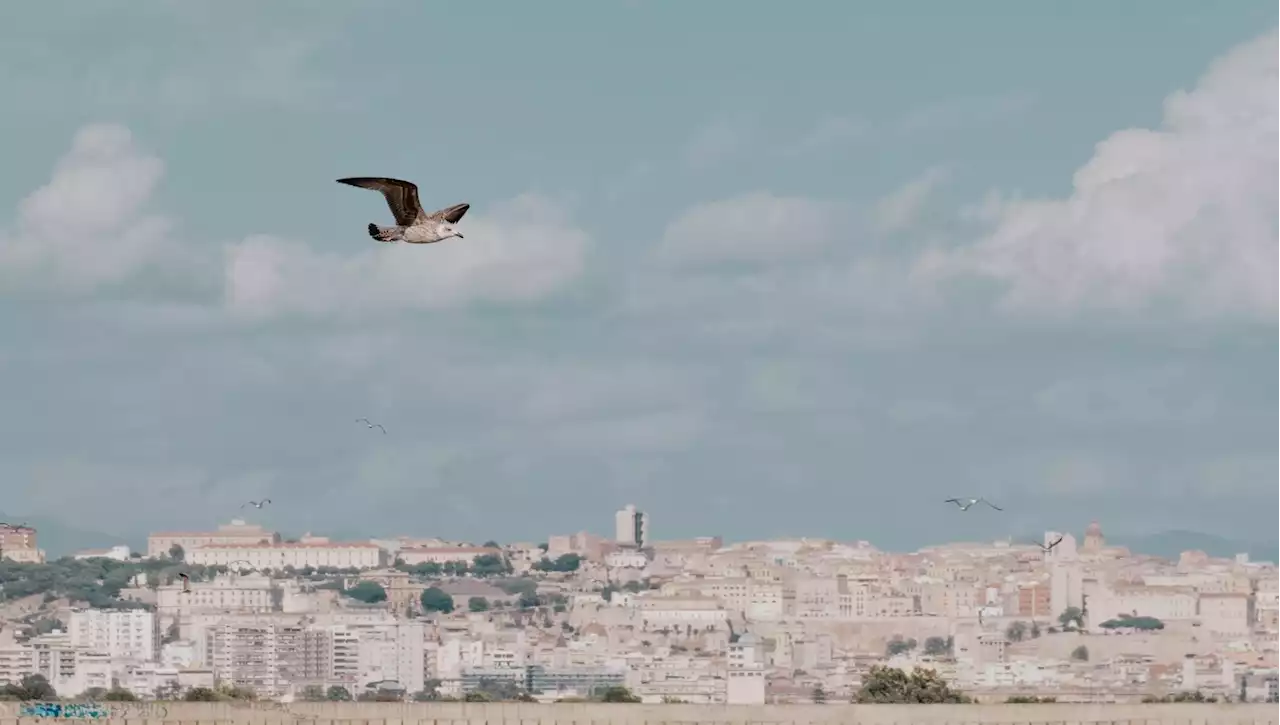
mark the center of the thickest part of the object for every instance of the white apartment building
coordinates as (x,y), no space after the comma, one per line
(254,593)
(392,652)
(121,634)
(235,533)
(631,527)
(312,552)
(70,670)
(657,612)
(1163,603)
(745,684)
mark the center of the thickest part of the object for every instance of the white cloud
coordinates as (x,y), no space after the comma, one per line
(901,209)
(88,228)
(526,249)
(755,227)
(1182,216)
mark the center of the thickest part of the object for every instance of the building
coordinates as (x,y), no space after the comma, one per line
(310,551)
(18,543)
(121,634)
(236,533)
(413,556)
(631,527)
(746,682)
(117,553)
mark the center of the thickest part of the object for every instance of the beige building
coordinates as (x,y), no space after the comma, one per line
(18,543)
(236,533)
(310,551)
(1226,613)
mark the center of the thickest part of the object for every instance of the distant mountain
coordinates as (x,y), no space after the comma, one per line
(59,540)
(1169,544)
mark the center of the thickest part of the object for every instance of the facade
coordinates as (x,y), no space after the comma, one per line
(631,527)
(18,543)
(314,552)
(121,634)
(745,683)
(235,533)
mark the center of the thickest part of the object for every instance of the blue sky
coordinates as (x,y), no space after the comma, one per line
(761,272)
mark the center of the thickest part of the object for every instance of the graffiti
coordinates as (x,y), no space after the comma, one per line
(139,710)
(66,710)
(94,711)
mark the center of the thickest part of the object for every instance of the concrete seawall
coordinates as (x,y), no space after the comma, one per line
(192,713)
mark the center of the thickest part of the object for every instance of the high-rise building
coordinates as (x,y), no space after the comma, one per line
(18,543)
(631,527)
(122,634)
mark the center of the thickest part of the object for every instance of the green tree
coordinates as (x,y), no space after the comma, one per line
(476,696)
(478,604)
(563,563)
(617,693)
(1080,654)
(491,544)
(119,694)
(93,694)
(938,646)
(238,692)
(1127,621)
(528,601)
(337,693)
(1071,617)
(201,694)
(897,645)
(1016,631)
(434,599)
(177,553)
(819,695)
(367,592)
(893,686)
(490,565)
(30,687)
(1028,700)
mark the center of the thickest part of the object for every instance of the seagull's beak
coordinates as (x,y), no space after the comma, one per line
(459,235)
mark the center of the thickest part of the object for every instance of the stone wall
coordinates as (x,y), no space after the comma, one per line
(192,713)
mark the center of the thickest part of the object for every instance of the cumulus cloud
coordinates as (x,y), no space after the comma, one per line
(1182,216)
(88,228)
(524,250)
(755,227)
(901,209)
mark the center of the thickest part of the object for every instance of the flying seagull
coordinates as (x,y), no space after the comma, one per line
(186,583)
(1050,546)
(413,224)
(256,504)
(368,424)
(968,503)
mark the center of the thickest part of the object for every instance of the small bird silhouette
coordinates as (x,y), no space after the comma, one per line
(256,504)
(186,583)
(369,424)
(1050,546)
(967,503)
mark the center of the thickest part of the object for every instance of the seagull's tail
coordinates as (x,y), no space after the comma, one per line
(384,234)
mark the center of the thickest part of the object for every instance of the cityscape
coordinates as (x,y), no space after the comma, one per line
(238,611)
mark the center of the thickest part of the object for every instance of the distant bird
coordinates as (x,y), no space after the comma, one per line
(369,424)
(1050,546)
(967,503)
(256,504)
(186,583)
(413,224)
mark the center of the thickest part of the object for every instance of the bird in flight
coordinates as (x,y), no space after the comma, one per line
(369,424)
(186,583)
(1050,546)
(256,504)
(967,503)
(413,224)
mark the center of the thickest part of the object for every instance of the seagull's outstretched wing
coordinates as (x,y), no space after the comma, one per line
(363,420)
(997,508)
(955,501)
(379,427)
(401,196)
(266,501)
(452,214)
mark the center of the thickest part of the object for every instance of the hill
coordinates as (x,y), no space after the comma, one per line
(58,539)
(1169,544)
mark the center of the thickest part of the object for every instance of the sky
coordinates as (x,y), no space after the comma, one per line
(760,271)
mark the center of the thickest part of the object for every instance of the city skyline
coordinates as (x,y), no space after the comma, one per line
(898,258)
